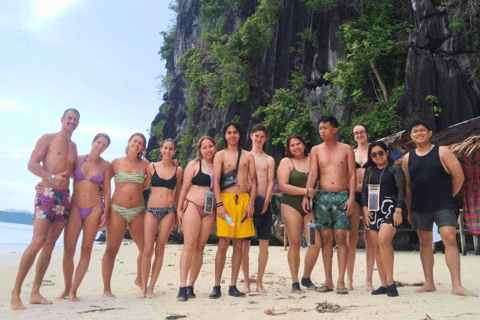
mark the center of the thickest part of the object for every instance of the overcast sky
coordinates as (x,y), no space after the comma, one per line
(97,56)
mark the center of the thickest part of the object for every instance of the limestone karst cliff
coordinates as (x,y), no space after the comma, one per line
(441,62)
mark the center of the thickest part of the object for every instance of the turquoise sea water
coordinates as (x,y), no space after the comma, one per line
(15,237)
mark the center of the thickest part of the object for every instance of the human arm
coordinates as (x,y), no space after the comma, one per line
(252,177)
(217,172)
(366,213)
(106,186)
(399,176)
(270,183)
(352,180)
(453,167)
(38,155)
(187,182)
(148,170)
(176,194)
(311,180)
(408,189)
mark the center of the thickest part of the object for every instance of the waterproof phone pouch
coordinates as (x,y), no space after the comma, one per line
(209,201)
(373,197)
(311,233)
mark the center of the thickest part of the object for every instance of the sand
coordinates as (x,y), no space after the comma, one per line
(358,304)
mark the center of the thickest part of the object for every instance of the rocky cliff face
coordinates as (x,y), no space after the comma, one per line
(442,62)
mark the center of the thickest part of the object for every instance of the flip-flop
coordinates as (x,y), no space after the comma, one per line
(323,288)
(342,290)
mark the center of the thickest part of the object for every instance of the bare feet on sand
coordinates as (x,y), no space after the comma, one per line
(38,299)
(150,293)
(261,289)
(138,283)
(73,296)
(349,284)
(246,288)
(142,295)
(369,286)
(426,288)
(16,302)
(461,291)
(108,294)
(62,295)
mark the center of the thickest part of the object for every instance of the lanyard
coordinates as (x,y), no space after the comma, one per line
(209,173)
(379,180)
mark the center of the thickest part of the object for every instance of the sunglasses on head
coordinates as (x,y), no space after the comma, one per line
(379,154)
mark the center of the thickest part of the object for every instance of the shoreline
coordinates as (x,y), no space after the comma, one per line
(358,304)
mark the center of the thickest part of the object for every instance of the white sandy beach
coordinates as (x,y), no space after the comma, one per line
(358,304)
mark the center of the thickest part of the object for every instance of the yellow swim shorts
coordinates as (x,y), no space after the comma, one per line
(235,204)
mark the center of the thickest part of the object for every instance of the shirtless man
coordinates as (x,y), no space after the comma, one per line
(57,153)
(434,176)
(262,219)
(233,202)
(333,163)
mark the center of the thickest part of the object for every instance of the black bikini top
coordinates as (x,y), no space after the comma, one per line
(359,166)
(159,182)
(201,178)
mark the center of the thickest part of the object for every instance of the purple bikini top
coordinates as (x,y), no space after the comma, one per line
(78,174)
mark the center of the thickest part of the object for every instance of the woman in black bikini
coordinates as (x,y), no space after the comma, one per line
(292,178)
(165,178)
(382,210)
(361,134)
(196,224)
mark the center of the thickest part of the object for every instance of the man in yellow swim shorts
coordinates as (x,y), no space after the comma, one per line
(232,169)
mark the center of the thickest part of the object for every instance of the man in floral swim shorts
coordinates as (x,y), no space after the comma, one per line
(52,160)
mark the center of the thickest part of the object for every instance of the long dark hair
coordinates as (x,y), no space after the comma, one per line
(161,145)
(377,144)
(287,144)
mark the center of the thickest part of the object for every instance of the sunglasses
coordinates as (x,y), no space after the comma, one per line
(379,154)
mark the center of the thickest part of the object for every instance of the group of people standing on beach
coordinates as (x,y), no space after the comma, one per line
(233,188)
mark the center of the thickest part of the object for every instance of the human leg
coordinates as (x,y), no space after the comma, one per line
(164,230)
(223,244)
(327,256)
(70,236)
(342,256)
(191,228)
(385,237)
(197,260)
(136,231)
(40,232)
(116,226)
(311,256)
(262,264)
(245,266)
(54,232)
(352,240)
(370,261)
(452,258)
(90,229)
(426,256)
(293,226)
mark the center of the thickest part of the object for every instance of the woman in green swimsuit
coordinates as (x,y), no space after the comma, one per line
(292,177)
(127,207)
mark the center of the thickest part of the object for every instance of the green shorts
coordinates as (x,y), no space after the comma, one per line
(423,221)
(330,212)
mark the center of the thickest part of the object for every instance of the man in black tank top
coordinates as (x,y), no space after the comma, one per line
(434,176)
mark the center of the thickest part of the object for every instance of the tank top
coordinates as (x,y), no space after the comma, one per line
(431,184)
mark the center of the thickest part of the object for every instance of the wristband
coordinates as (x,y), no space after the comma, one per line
(220,204)
(307,192)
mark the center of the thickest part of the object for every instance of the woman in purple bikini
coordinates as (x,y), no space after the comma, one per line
(89,211)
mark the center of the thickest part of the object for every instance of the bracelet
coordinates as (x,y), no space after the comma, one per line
(307,192)
(220,204)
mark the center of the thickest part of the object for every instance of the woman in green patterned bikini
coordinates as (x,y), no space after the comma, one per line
(128,207)
(292,177)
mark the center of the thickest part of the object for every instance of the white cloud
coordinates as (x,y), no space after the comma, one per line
(112,132)
(49,9)
(10,105)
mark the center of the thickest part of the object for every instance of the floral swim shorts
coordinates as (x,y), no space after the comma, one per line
(53,205)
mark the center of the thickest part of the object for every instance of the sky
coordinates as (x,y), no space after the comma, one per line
(97,56)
